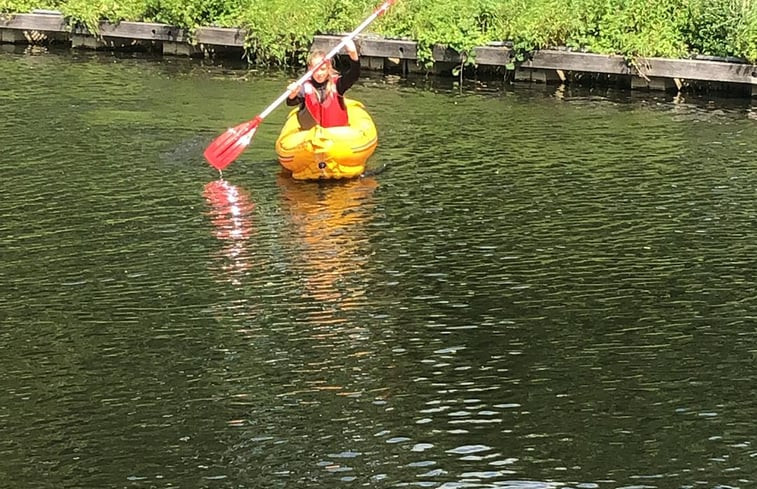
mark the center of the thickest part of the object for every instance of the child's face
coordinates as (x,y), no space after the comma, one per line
(322,73)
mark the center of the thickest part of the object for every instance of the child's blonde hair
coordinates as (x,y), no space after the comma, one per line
(333,72)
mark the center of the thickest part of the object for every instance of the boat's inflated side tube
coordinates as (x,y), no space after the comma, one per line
(328,152)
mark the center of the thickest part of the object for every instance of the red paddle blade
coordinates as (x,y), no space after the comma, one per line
(228,146)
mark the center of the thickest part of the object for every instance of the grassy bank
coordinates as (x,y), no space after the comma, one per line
(281,30)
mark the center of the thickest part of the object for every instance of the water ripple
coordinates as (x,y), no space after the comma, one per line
(543,288)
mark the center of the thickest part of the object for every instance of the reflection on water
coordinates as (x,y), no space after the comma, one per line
(327,244)
(231,215)
(329,222)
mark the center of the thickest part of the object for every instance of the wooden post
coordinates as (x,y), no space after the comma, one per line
(181,49)
(536,75)
(654,84)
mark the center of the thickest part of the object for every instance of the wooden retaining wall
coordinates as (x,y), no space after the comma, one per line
(51,28)
(399,56)
(563,66)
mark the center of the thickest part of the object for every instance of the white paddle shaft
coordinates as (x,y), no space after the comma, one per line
(383,8)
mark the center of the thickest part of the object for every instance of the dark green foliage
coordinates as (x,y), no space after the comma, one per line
(185,13)
(713,26)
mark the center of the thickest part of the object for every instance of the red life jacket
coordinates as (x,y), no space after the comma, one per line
(328,112)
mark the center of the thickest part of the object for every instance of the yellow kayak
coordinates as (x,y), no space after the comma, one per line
(328,152)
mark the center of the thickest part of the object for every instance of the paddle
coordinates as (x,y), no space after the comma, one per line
(228,146)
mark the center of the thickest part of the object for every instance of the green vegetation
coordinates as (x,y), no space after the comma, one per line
(281,30)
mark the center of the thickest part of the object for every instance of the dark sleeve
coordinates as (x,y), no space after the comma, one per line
(291,102)
(349,77)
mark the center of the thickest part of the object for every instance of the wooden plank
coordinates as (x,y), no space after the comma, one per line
(221,36)
(547,59)
(714,71)
(34,22)
(688,69)
(493,55)
(142,31)
(388,48)
(398,48)
(372,46)
(443,54)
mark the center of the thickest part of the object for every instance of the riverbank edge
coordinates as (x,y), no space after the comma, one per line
(399,56)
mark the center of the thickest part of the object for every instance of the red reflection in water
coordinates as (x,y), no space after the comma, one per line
(231,214)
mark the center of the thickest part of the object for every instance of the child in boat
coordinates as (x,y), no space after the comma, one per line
(321,99)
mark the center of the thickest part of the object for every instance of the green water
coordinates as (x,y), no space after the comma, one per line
(544,287)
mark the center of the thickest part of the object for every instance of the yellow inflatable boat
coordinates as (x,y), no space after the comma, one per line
(328,152)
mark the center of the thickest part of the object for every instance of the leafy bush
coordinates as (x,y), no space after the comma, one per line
(713,26)
(182,13)
(536,24)
(642,28)
(457,25)
(745,37)
(281,31)
(91,12)
(21,6)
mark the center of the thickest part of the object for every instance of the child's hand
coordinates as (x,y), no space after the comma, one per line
(349,45)
(294,89)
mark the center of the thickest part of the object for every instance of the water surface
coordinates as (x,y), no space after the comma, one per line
(543,287)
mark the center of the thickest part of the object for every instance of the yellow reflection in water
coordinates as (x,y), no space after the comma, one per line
(329,226)
(329,221)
